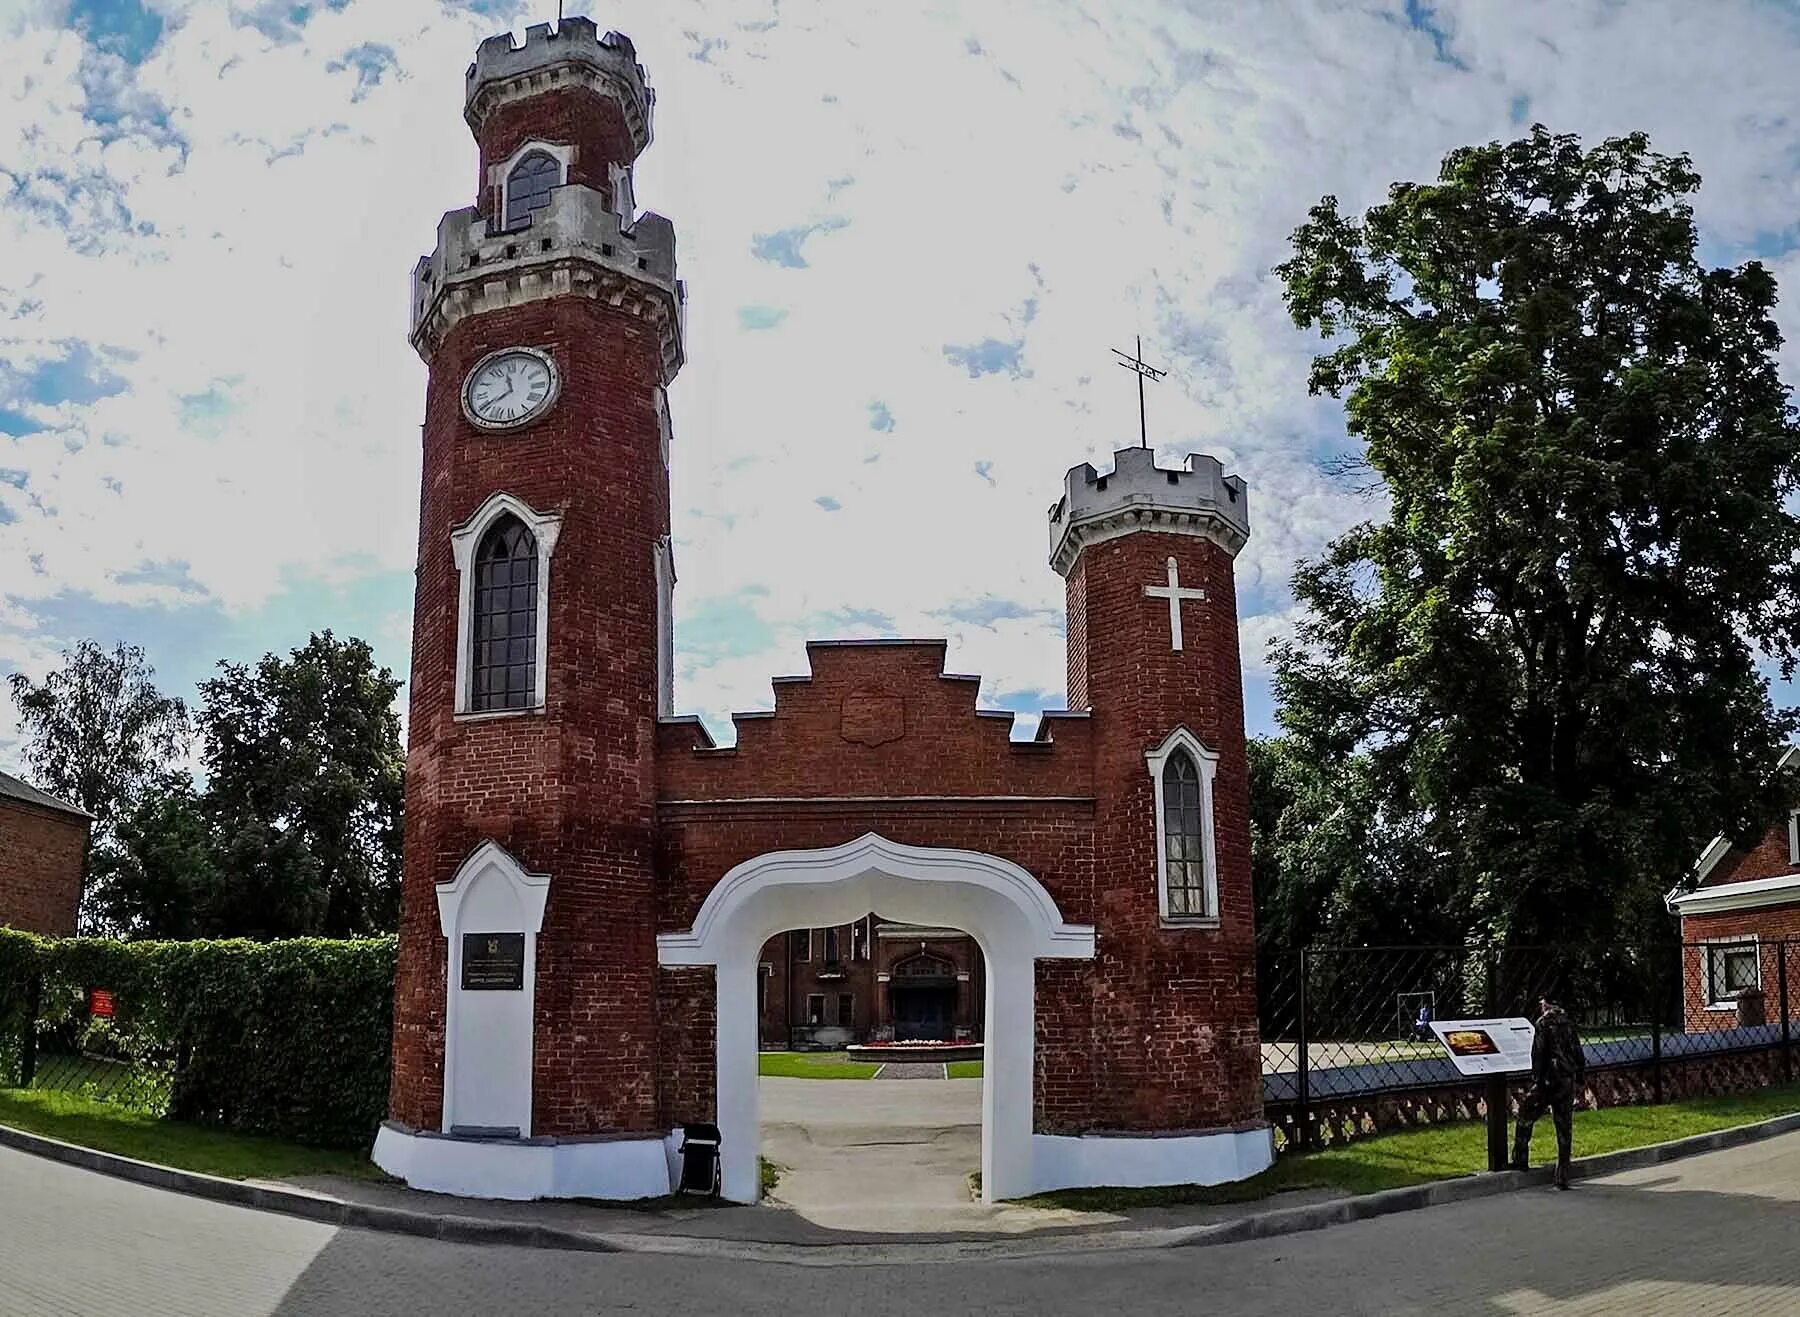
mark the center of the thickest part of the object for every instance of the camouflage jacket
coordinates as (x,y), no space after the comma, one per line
(1556,1055)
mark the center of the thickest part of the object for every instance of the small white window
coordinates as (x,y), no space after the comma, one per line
(833,946)
(523,182)
(802,943)
(1187,877)
(1794,838)
(815,1009)
(1731,968)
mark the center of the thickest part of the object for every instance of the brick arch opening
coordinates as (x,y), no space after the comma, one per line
(1004,908)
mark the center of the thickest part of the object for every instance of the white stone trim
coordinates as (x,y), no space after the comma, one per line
(1794,838)
(1100,1160)
(665,627)
(1006,910)
(1751,894)
(523,1170)
(624,194)
(1207,762)
(501,1049)
(544,529)
(665,426)
(500,173)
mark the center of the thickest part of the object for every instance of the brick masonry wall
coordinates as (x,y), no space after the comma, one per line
(875,720)
(568,791)
(1771,927)
(594,124)
(1173,1024)
(42,852)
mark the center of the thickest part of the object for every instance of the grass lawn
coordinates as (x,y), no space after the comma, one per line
(964,1070)
(112,1128)
(813,1065)
(1391,1161)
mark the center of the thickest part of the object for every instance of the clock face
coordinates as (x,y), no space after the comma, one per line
(509,388)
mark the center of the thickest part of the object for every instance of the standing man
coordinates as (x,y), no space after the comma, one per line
(1557,1070)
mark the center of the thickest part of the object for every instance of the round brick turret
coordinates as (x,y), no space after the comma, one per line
(567,86)
(565,787)
(1174,1018)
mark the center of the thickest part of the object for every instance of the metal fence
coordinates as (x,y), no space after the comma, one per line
(70,1047)
(1346,1050)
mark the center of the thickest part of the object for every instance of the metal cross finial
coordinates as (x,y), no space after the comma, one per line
(1138,366)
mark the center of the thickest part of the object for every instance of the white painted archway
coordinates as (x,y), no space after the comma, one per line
(1007,911)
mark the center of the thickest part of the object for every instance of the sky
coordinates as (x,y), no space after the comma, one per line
(911,236)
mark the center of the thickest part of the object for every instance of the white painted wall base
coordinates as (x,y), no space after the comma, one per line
(619,1169)
(1095,1160)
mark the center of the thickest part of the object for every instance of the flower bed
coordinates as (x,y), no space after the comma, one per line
(921,1050)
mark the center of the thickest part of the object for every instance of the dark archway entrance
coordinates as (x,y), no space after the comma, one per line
(922,1000)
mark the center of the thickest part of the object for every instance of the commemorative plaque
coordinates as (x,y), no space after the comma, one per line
(493,962)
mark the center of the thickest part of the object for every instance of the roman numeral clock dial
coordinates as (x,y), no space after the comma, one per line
(509,388)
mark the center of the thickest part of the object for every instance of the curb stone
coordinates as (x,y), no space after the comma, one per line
(519,1234)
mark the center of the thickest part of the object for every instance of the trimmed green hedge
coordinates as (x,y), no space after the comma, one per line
(286,1038)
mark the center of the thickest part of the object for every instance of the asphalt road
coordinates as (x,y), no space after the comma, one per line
(1709,1235)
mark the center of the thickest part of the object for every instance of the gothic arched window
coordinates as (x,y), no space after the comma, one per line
(1184,836)
(528,187)
(503,666)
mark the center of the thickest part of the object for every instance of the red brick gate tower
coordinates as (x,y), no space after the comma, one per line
(550,318)
(1153,653)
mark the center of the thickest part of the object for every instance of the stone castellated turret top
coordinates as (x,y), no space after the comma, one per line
(573,55)
(1137,494)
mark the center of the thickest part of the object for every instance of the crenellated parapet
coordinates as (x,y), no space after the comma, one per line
(1137,494)
(572,55)
(575,245)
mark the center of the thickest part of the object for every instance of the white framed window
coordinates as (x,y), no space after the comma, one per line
(501,530)
(846,1011)
(833,946)
(524,180)
(802,943)
(1187,871)
(859,940)
(764,973)
(1732,966)
(815,1009)
(665,426)
(1794,838)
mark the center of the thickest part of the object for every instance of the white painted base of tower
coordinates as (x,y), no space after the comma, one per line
(1136,1161)
(525,1169)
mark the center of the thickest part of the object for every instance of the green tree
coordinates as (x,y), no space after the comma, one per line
(1548,648)
(158,875)
(97,730)
(304,774)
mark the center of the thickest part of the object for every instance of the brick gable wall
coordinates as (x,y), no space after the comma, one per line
(42,853)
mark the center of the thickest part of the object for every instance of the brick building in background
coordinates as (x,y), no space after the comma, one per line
(1746,899)
(43,849)
(591,883)
(870,981)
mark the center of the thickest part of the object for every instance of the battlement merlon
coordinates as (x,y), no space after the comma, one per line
(575,244)
(1197,499)
(574,55)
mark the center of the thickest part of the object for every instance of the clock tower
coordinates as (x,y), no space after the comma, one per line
(550,319)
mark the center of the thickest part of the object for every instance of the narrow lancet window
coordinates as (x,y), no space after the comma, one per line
(1184,838)
(504,663)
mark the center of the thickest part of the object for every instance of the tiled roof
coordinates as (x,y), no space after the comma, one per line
(13,789)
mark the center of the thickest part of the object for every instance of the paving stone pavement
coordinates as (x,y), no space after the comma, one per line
(913,1070)
(1708,1236)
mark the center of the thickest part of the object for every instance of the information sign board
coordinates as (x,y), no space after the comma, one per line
(493,962)
(1487,1047)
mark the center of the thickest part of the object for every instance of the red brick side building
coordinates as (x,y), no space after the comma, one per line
(43,849)
(592,884)
(870,981)
(1745,904)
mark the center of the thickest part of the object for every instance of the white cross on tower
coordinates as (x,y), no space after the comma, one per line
(1174,594)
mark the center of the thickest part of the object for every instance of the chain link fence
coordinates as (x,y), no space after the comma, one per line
(1348,1051)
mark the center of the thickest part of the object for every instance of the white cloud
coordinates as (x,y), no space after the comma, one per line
(1052,176)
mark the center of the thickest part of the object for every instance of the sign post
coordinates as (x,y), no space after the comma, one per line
(1490,1049)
